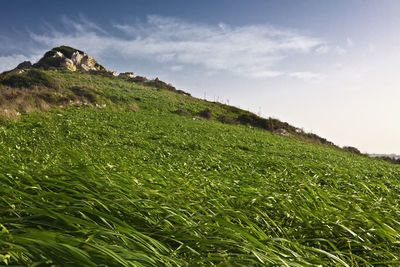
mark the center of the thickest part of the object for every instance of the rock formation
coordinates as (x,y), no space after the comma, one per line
(20,68)
(282,132)
(24,65)
(71,59)
(127,75)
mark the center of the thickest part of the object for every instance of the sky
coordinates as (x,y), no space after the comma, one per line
(329,67)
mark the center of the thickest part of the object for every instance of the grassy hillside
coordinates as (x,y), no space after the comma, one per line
(140,182)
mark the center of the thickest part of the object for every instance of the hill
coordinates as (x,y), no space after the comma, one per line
(104,170)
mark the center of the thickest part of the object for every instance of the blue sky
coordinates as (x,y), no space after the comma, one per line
(330,67)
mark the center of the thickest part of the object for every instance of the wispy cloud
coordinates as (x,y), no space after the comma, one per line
(307,76)
(340,51)
(322,49)
(253,51)
(350,42)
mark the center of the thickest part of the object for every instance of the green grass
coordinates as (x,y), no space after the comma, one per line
(86,187)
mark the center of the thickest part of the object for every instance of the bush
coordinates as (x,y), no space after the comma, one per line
(226,119)
(352,150)
(138,79)
(254,120)
(85,92)
(48,97)
(206,113)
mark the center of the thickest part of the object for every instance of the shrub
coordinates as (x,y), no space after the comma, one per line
(48,97)
(352,150)
(206,113)
(85,92)
(226,119)
(254,120)
(138,79)
(183,93)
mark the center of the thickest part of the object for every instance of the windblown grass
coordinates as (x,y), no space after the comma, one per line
(86,187)
(81,186)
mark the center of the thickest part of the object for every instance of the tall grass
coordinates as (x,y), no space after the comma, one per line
(88,187)
(135,184)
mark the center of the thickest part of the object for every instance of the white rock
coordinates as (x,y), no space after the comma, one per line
(127,74)
(282,132)
(89,61)
(58,54)
(85,67)
(77,58)
(68,64)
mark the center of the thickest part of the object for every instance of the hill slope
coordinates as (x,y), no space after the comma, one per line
(143,180)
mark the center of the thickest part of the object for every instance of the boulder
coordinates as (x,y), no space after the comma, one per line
(58,54)
(24,65)
(77,57)
(282,132)
(88,63)
(68,64)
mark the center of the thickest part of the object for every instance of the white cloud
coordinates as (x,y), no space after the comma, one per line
(254,50)
(176,68)
(371,48)
(266,74)
(349,42)
(307,76)
(322,49)
(340,51)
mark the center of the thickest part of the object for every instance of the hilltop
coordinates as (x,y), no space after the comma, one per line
(105,170)
(28,83)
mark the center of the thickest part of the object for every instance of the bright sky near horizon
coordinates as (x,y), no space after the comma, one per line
(330,67)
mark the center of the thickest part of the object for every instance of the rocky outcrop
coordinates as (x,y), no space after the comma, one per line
(282,132)
(77,58)
(24,65)
(20,68)
(89,62)
(68,64)
(71,59)
(127,75)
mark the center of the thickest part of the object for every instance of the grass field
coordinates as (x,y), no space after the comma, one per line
(81,186)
